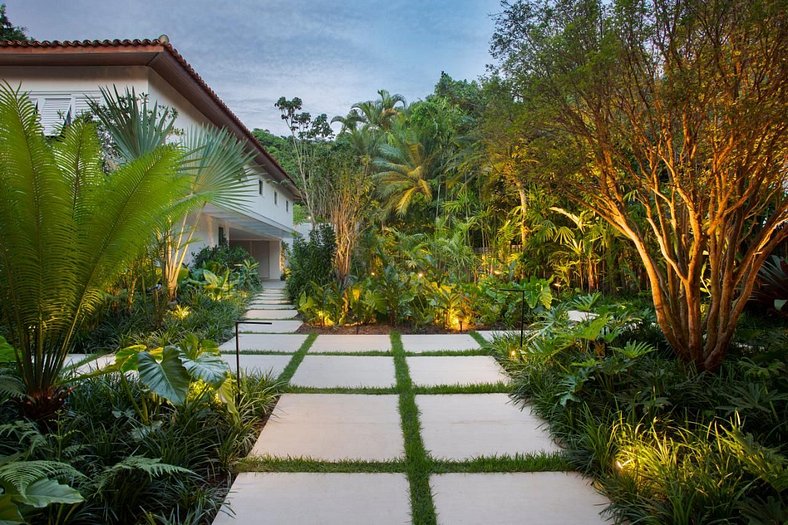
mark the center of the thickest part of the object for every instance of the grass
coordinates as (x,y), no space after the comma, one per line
(369,390)
(517,463)
(417,462)
(271,464)
(482,388)
(448,353)
(287,373)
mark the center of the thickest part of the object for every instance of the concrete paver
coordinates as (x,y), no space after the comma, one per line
(455,370)
(277,326)
(284,305)
(276,342)
(546,498)
(345,371)
(490,335)
(351,343)
(333,427)
(436,342)
(463,426)
(259,364)
(307,498)
(270,314)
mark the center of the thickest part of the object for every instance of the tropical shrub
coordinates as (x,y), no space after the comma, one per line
(69,231)
(176,467)
(311,261)
(669,444)
(222,258)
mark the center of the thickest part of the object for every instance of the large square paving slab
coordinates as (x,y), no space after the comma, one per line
(332,427)
(345,371)
(491,335)
(270,314)
(546,498)
(307,498)
(351,343)
(275,326)
(462,426)
(259,364)
(436,342)
(455,370)
(289,343)
(267,306)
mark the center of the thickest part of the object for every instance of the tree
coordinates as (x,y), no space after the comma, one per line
(69,230)
(307,136)
(9,31)
(678,107)
(346,203)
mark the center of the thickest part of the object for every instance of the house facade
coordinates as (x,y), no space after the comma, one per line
(61,77)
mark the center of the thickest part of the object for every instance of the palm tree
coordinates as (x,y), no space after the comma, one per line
(215,163)
(404,169)
(69,230)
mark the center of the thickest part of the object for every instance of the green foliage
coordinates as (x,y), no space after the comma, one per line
(177,465)
(33,484)
(668,444)
(69,230)
(311,260)
(171,371)
(222,258)
(9,31)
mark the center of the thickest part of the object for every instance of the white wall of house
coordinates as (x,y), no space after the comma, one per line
(63,91)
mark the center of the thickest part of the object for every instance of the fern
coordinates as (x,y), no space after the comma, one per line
(154,468)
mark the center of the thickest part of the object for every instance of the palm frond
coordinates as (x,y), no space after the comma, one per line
(217,162)
(36,256)
(136,128)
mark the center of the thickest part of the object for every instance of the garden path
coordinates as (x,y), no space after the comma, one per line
(399,429)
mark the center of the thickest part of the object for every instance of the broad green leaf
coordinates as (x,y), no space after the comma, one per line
(9,511)
(168,378)
(7,354)
(126,358)
(47,491)
(210,368)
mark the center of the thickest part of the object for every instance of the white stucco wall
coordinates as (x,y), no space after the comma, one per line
(275,203)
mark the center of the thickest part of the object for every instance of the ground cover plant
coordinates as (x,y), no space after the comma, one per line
(669,443)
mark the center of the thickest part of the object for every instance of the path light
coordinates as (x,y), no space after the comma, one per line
(421,275)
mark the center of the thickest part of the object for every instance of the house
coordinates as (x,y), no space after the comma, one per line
(61,76)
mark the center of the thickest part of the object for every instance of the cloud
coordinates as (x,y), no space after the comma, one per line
(330,53)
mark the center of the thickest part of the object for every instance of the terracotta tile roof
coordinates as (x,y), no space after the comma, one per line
(160,45)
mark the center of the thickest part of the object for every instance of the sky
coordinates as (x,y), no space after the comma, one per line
(329,53)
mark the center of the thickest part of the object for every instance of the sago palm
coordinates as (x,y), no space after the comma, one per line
(68,230)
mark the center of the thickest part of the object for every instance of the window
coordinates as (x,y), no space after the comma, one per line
(260,186)
(222,237)
(287,205)
(55,108)
(276,199)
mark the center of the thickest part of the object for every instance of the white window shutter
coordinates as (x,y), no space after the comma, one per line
(54,111)
(81,104)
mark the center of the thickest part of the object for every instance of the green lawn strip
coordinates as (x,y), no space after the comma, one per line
(306,464)
(449,353)
(482,388)
(370,390)
(544,462)
(479,339)
(417,462)
(287,373)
